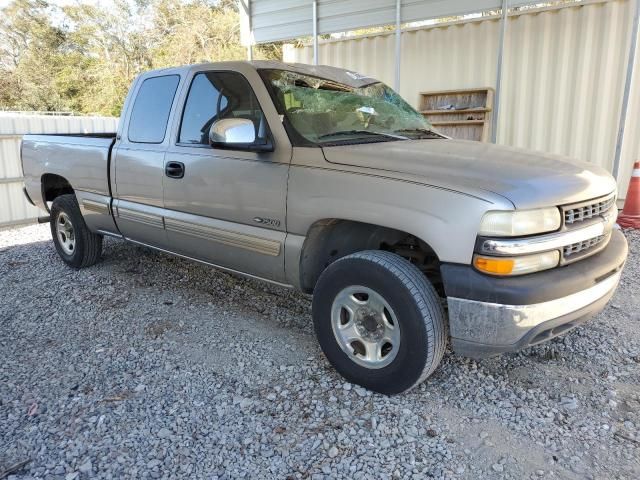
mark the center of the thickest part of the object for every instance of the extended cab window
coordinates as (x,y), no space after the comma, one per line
(151,109)
(214,96)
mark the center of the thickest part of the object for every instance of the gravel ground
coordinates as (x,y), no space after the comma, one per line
(148,366)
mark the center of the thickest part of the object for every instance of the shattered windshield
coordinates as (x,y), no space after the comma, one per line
(323,111)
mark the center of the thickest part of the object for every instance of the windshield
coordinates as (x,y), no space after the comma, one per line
(322,111)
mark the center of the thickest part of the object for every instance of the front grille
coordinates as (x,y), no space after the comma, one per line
(581,212)
(575,248)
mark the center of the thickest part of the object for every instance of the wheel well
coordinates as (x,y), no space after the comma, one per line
(53,186)
(331,239)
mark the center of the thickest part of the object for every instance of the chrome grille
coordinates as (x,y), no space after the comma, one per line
(581,212)
(575,248)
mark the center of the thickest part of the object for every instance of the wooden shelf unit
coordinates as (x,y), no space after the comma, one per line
(468,116)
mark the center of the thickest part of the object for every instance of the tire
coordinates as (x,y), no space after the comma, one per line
(75,243)
(349,290)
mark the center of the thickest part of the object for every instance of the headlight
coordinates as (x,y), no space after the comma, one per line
(517,265)
(515,223)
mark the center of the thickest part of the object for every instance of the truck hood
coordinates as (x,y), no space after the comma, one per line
(528,179)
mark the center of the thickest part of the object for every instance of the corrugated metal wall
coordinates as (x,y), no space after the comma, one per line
(564,71)
(14,208)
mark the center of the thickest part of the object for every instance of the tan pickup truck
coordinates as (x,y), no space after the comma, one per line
(327,181)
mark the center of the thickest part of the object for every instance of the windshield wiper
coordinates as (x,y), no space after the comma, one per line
(421,131)
(362,132)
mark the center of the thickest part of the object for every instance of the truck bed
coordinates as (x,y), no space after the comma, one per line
(83,159)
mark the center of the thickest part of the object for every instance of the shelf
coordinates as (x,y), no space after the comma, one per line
(459,122)
(450,92)
(451,112)
(472,123)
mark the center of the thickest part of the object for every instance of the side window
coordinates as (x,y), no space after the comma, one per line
(150,114)
(214,96)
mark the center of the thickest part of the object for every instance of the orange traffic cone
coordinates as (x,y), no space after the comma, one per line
(630,216)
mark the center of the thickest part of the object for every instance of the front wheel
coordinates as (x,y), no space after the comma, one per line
(379,321)
(74,242)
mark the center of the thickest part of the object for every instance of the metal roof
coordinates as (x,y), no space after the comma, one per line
(273,20)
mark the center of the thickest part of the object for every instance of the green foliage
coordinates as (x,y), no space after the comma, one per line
(83,57)
(29,46)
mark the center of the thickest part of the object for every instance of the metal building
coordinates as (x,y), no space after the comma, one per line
(563,74)
(14,208)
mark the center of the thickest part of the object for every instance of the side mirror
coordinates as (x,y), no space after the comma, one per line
(232,131)
(237,134)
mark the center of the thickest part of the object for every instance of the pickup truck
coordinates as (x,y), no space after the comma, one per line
(327,181)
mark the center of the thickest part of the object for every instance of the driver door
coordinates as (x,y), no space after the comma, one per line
(223,206)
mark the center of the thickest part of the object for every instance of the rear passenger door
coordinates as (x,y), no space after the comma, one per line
(139,161)
(229,208)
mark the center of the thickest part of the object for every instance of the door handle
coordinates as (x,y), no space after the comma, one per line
(174,169)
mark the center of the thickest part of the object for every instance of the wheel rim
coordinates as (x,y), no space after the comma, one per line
(66,233)
(365,327)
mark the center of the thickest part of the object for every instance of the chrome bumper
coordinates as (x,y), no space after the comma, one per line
(492,315)
(482,329)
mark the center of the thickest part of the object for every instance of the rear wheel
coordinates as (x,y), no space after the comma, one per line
(74,242)
(379,321)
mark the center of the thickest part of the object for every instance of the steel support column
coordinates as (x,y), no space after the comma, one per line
(627,91)
(398,46)
(246,5)
(496,99)
(315,32)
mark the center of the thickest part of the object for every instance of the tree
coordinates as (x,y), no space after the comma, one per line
(29,56)
(111,50)
(198,31)
(84,56)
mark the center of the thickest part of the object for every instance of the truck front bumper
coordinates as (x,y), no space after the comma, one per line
(493,315)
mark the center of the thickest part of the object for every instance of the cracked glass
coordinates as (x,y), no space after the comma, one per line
(323,111)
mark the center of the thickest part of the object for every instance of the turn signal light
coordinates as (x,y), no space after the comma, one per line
(517,265)
(494,266)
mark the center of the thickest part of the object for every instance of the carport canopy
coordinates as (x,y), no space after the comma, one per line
(275,20)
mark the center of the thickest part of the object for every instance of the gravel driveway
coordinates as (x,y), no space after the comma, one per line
(148,366)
